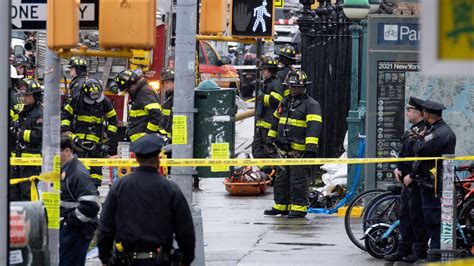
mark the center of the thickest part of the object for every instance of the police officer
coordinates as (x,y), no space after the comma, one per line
(91,117)
(167,79)
(78,72)
(146,114)
(414,241)
(435,141)
(79,207)
(268,99)
(295,131)
(143,213)
(27,137)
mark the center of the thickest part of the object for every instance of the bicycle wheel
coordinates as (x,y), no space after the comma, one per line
(353,221)
(384,208)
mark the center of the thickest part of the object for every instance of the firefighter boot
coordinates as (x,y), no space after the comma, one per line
(274,211)
(296,214)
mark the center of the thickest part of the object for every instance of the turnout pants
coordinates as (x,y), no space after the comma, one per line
(259,149)
(291,188)
(412,228)
(22,191)
(95,171)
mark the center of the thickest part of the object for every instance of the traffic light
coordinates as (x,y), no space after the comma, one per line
(127,24)
(252,19)
(63,24)
(213,17)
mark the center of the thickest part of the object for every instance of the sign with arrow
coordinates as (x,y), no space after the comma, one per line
(252,18)
(32,14)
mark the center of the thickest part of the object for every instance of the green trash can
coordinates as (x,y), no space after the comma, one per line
(214,127)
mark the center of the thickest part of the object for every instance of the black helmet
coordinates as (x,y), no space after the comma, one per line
(92,89)
(21,60)
(287,51)
(31,86)
(268,62)
(125,78)
(296,78)
(167,74)
(78,62)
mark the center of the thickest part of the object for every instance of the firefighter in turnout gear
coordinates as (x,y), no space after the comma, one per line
(286,60)
(167,79)
(160,211)
(295,133)
(78,72)
(26,136)
(268,99)
(15,104)
(146,114)
(79,207)
(91,117)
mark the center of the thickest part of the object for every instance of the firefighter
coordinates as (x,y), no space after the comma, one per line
(167,79)
(414,241)
(14,91)
(21,64)
(26,136)
(146,114)
(91,117)
(78,71)
(435,141)
(79,207)
(286,61)
(295,133)
(268,99)
(160,211)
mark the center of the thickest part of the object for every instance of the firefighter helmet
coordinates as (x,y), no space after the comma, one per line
(92,89)
(296,78)
(268,62)
(31,86)
(287,51)
(78,62)
(21,60)
(167,74)
(125,78)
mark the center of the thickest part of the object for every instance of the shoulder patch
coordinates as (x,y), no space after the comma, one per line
(429,137)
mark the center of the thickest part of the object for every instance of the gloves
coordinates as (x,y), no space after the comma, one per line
(283,143)
(309,154)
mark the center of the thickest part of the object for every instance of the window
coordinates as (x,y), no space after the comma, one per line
(211,55)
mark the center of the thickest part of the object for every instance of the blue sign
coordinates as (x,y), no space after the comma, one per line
(399,34)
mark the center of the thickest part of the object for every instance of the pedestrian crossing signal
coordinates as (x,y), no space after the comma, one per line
(252,18)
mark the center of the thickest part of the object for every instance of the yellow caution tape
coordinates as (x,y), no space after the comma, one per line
(238,161)
(46,177)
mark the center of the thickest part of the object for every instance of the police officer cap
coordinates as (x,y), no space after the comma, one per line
(433,107)
(147,146)
(415,103)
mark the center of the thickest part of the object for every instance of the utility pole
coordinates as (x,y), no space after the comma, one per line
(4,155)
(183,108)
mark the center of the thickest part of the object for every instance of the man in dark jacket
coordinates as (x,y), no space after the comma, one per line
(146,114)
(295,132)
(26,137)
(414,241)
(79,207)
(167,80)
(143,213)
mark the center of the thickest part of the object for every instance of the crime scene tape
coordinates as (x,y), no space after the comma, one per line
(46,177)
(239,162)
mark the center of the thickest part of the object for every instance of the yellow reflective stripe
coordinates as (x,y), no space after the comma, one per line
(286,92)
(89,119)
(111,113)
(31,155)
(152,127)
(96,176)
(89,137)
(298,147)
(261,123)
(299,208)
(65,122)
(266,100)
(112,128)
(153,106)
(293,122)
(69,109)
(276,96)
(312,140)
(281,207)
(167,112)
(316,118)
(26,135)
(134,137)
(163,132)
(275,114)
(272,133)
(14,115)
(135,113)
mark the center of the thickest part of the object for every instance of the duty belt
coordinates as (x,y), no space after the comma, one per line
(144,255)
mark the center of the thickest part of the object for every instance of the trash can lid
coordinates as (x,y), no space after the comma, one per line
(208,85)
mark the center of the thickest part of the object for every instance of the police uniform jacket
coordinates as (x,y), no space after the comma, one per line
(272,95)
(298,120)
(79,201)
(31,130)
(89,121)
(143,211)
(407,149)
(168,114)
(145,116)
(75,87)
(439,140)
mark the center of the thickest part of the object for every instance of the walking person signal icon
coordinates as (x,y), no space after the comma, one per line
(252,18)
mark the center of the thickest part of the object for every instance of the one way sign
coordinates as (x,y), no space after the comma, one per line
(32,14)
